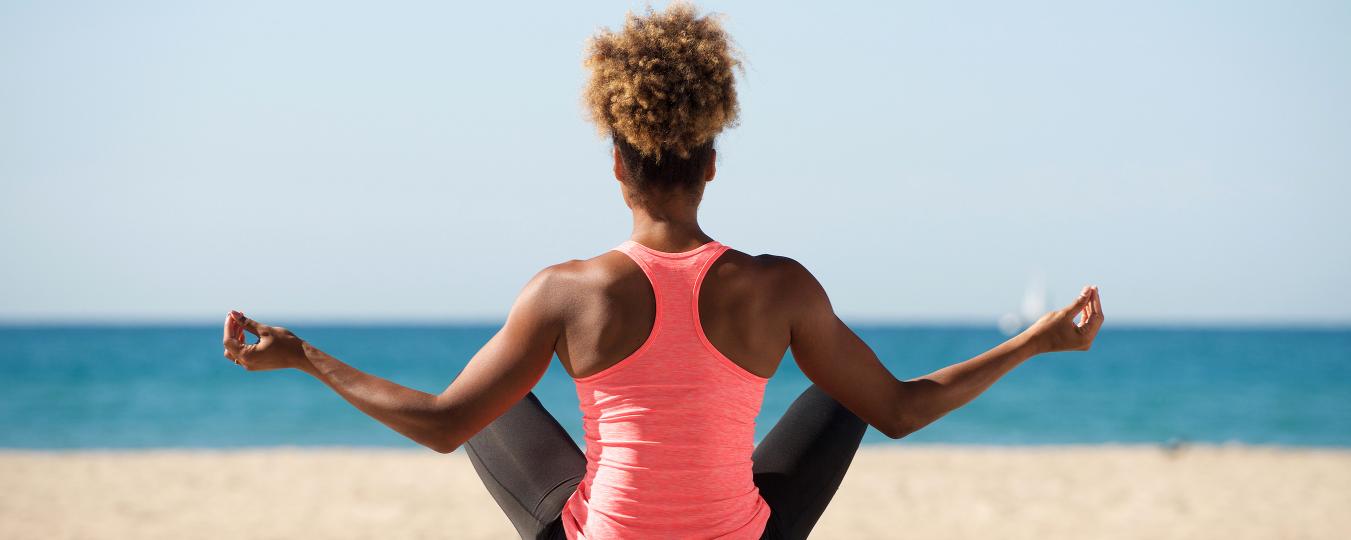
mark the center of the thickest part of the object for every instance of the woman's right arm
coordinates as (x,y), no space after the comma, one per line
(835,359)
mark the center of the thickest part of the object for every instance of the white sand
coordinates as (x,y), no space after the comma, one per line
(891,492)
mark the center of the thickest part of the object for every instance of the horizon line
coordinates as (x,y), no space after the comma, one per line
(860,322)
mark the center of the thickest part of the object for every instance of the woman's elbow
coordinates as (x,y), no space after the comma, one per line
(899,429)
(445,434)
(442,447)
(443,443)
(903,423)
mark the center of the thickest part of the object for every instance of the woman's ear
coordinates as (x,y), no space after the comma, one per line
(619,165)
(712,169)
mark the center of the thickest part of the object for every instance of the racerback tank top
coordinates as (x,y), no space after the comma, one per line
(670,429)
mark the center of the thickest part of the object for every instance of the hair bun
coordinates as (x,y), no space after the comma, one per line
(664,83)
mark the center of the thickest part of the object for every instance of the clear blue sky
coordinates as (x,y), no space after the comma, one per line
(168,161)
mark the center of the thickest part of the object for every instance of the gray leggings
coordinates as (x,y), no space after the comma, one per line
(531,466)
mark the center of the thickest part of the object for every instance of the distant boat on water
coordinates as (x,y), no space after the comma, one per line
(1035,300)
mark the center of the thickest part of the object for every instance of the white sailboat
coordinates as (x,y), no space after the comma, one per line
(1035,300)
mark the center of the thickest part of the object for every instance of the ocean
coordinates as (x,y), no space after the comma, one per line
(67,387)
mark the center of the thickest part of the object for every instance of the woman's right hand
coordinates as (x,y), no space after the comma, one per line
(1056,331)
(277,347)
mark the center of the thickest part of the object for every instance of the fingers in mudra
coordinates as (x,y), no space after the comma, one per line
(1074,327)
(237,349)
(1088,307)
(276,348)
(233,341)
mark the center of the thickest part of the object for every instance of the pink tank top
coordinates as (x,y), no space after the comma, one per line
(669,429)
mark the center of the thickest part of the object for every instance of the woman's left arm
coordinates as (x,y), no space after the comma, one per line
(497,377)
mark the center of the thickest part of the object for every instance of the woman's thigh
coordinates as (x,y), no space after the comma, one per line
(799,465)
(530,466)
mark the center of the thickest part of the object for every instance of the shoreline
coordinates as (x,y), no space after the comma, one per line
(913,491)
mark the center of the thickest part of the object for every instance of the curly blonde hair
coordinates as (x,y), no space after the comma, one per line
(664,84)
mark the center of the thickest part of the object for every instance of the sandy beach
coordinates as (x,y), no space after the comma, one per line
(891,492)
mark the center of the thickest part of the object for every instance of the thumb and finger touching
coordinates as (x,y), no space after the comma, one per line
(233,340)
(1097,303)
(253,327)
(235,326)
(1098,317)
(1087,308)
(1092,314)
(1078,308)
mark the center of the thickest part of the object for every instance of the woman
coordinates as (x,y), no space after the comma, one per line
(670,338)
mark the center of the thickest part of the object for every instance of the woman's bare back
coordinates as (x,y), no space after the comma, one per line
(610,310)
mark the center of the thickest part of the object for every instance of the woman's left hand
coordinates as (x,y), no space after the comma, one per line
(277,347)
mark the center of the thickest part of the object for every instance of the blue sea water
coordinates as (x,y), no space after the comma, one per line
(138,387)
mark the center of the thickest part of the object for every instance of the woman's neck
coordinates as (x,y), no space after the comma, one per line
(668,231)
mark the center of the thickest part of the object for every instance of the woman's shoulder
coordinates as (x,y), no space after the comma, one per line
(608,274)
(799,293)
(767,268)
(777,282)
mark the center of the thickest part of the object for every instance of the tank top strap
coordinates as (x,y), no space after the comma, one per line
(675,277)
